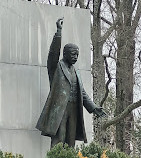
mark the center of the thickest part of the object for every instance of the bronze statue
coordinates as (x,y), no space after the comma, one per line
(62,115)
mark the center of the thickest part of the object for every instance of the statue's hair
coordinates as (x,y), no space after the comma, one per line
(68,47)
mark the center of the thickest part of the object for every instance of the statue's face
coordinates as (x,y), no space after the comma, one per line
(71,56)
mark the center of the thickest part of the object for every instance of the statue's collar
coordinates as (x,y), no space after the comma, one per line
(66,63)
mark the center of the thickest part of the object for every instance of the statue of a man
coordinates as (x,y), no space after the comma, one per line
(62,115)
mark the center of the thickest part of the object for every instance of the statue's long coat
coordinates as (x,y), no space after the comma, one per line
(60,86)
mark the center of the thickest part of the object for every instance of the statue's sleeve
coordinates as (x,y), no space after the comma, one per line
(53,56)
(91,106)
(87,102)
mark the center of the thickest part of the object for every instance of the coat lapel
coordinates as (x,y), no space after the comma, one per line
(67,74)
(65,70)
(79,77)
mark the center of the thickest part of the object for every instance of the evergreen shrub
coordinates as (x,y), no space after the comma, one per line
(9,155)
(92,150)
(62,151)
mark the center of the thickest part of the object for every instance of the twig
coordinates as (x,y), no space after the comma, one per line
(75,4)
(134,5)
(56,2)
(105,20)
(137,17)
(81,3)
(110,5)
(49,1)
(99,7)
(67,2)
(108,32)
(87,6)
(139,56)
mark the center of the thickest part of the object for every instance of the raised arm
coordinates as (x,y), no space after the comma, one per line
(54,52)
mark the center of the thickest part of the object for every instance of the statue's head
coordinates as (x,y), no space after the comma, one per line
(70,53)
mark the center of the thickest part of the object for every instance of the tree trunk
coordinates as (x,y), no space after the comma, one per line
(124,93)
(124,74)
(98,71)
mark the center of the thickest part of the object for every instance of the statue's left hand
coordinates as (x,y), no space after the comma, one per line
(99,112)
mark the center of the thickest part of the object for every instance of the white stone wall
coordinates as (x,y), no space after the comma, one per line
(26,31)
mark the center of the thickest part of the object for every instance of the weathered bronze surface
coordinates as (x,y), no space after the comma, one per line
(62,115)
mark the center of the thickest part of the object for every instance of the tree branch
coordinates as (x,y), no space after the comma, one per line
(117,2)
(134,5)
(75,4)
(92,13)
(107,34)
(96,8)
(105,20)
(109,79)
(99,7)
(110,5)
(67,2)
(81,3)
(137,17)
(49,1)
(124,114)
(112,45)
(87,6)
(56,1)
(139,56)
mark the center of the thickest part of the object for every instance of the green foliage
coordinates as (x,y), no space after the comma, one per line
(116,154)
(92,150)
(95,151)
(62,151)
(9,155)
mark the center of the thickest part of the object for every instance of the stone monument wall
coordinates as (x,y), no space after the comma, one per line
(26,31)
